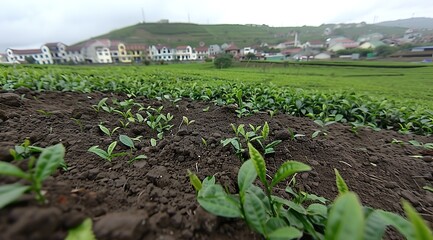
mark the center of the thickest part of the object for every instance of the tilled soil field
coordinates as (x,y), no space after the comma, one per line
(153,199)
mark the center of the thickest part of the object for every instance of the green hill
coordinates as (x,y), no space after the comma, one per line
(416,23)
(175,34)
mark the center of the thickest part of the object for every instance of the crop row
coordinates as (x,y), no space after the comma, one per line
(346,107)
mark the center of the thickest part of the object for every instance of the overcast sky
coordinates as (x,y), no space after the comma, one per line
(31,23)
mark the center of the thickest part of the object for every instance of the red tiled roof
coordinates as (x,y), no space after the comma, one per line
(181,47)
(26,51)
(159,47)
(232,47)
(316,42)
(201,49)
(75,48)
(114,45)
(136,47)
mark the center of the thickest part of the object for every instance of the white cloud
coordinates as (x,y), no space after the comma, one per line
(31,23)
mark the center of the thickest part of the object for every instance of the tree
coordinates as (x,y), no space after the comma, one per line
(385,50)
(223,61)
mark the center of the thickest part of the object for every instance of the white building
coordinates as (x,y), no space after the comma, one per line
(39,56)
(58,52)
(214,49)
(246,50)
(202,52)
(74,53)
(185,53)
(161,53)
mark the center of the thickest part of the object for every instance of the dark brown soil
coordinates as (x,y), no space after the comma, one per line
(153,199)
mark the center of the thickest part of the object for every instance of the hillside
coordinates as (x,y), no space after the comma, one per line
(416,23)
(243,35)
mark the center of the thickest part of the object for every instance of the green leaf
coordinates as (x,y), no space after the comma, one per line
(428,188)
(9,169)
(338,117)
(345,220)
(209,181)
(375,226)
(127,141)
(421,229)
(398,222)
(140,157)
(153,142)
(246,175)
(139,117)
(285,233)
(255,214)
(275,223)
(194,180)
(111,147)
(104,129)
(315,134)
(11,192)
(101,153)
(341,184)
(318,209)
(287,169)
(215,200)
(49,160)
(259,163)
(82,231)
(292,205)
(265,131)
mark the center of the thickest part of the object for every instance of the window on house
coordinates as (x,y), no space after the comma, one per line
(46,55)
(106,54)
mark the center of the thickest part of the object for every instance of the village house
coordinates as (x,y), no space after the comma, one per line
(314,44)
(214,50)
(371,44)
(137,52)
(161,53)
(74,53)
(58,52)
(233,50)
(185,53)
(118,52)
(340,43)
(93,51)
(202,52)
(39,56)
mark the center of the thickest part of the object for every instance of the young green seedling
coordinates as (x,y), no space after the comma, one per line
(107,131)
(293,135)
(323,128)
(100,104)
(107,155)
(129,142)
(49,160)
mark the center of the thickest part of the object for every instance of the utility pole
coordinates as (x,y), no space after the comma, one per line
(142,15)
